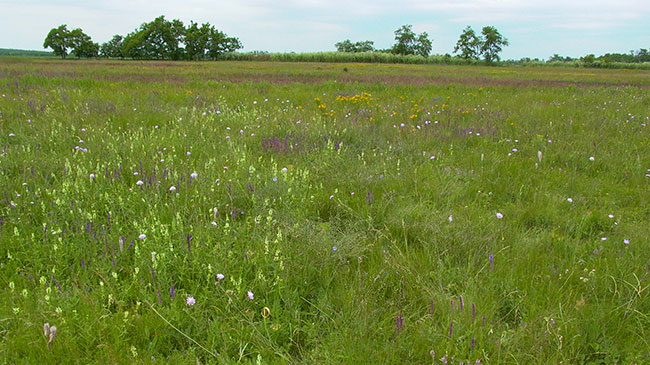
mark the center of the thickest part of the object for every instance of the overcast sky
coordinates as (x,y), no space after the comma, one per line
(535,28)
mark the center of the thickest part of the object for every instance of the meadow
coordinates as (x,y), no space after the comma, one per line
(268,212)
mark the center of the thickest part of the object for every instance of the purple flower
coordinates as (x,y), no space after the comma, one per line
(194,175)
(172,291)
(220,276)
(191,301)
(142,236)
(499,215)
(627,242)
(250,295)
(334,248)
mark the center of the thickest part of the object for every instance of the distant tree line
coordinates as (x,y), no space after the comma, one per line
(406,43)
(640,56)
(470,46)
(159,39)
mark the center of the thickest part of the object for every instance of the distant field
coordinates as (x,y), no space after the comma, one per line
(262,212)
(8,52)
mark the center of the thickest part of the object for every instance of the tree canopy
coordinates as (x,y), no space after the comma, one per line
(61,40)
(159,39)
(489,44)
(348,46)
(408,43)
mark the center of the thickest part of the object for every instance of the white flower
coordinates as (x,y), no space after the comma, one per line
(592,158)
(569,200)
(92,176)
(451,218)
(172,188)
(499,215)
(139,182)
(142,236)
(194,175)
(220,276)
(610,216)
(250,295)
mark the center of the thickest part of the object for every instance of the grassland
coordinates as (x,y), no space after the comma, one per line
(159,212)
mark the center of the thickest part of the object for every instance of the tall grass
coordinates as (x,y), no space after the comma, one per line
(184,218)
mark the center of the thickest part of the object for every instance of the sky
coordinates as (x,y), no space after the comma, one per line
(534,28)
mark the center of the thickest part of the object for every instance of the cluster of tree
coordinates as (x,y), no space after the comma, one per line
(470,45)
(348,46)
(406,43)
(62,40)
(642,55)
(488,44)
(158,39)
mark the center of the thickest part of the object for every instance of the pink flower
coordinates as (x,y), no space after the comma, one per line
(250,295)
(191,301)
(499,215)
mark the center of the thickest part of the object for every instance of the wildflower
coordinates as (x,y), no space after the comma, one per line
(139,182)
(603,238)
(250,295)
(592,158)
(539,156)
(432,158)
(194,175)
(610,216)
(220,276)
(443,359)
(213,223)
(142,236)
(569,200)
(11,134)
(451,218)
(92,176)
(188,153)
(172,291)
(499,215)
(190,301)
(432,353)
(52,333)
(46,329)
(334,248)
(172,188)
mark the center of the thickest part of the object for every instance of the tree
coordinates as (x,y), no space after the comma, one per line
(468,45)
(423,45)
(492,44)
(219,43)
(112,48)
(82,45)
(58,40)
(159,39)
(408,43)
(196,41)
(348,46)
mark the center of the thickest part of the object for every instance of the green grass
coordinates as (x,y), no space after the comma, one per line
(312,195)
